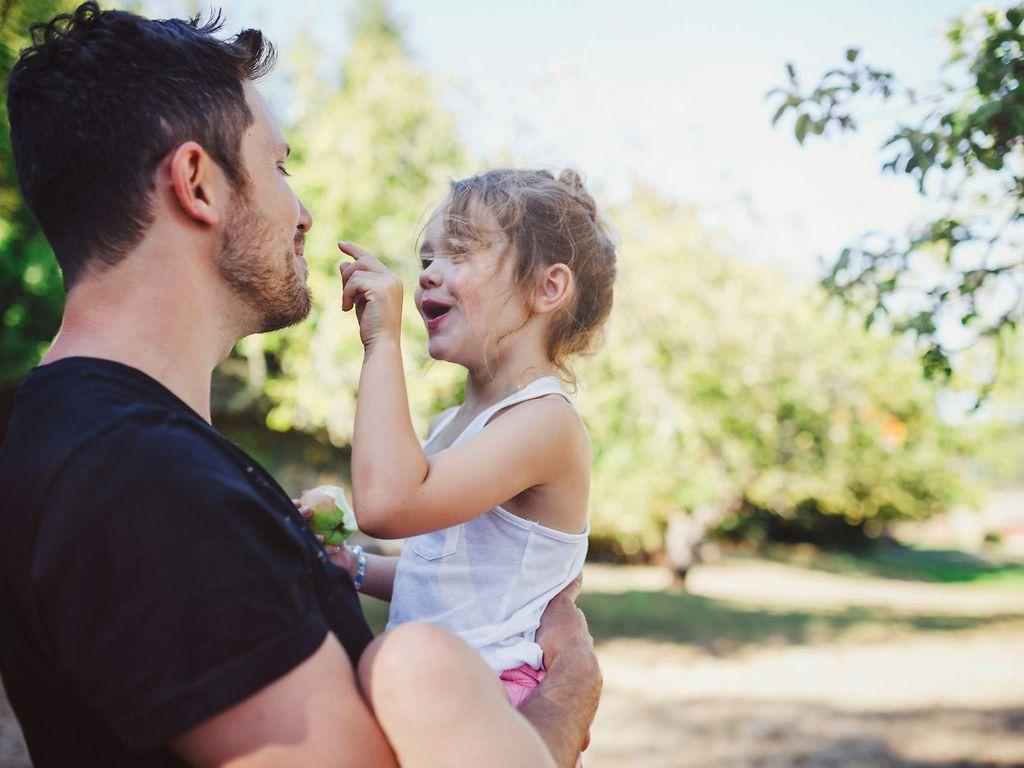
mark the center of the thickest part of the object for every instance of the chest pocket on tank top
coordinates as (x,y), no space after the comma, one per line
(437,544)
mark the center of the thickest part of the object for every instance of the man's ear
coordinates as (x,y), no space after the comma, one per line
(554,288)
(198,183)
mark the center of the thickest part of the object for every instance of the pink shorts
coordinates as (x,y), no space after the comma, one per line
(520,683)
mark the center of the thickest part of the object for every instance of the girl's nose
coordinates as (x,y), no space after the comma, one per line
(430,277)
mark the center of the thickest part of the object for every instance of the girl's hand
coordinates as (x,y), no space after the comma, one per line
(376,293)
(340,556)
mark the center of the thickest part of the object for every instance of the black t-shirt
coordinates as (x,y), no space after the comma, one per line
(151,573)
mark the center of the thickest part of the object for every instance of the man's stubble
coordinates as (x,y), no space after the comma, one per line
(276,296)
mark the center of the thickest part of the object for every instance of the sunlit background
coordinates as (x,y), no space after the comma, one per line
(808,535)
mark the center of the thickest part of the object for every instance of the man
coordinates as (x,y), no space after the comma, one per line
(163,602)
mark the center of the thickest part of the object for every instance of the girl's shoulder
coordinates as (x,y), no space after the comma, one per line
(555,417)
(554,433)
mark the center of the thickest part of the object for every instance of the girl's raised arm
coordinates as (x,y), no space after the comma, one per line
(396,490)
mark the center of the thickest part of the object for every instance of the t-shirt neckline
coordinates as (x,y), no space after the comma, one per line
(103,362)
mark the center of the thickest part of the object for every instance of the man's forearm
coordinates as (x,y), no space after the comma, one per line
(563,706)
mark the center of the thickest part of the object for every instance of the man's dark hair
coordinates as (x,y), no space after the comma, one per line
(100,98)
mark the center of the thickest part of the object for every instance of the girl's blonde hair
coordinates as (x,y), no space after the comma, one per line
(547,221)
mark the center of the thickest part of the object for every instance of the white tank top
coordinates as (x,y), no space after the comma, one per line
(489,579)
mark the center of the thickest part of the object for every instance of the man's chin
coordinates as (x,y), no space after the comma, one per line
(284,317)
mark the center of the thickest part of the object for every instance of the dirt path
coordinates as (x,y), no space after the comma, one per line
(899,688)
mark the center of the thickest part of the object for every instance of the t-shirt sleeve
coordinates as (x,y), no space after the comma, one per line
(168,584)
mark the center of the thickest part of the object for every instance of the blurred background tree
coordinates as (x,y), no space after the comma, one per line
(372,150)
(31,289)
(727,394)
(958,278)
(726,385)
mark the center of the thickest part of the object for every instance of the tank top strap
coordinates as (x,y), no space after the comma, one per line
(546,385)
(441,424)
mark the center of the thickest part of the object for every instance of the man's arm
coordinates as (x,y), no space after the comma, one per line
(563,707)
(314,716)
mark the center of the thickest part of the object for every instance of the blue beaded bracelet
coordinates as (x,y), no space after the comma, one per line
(357,550)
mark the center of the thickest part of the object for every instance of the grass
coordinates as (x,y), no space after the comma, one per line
(723,627)
(906,563)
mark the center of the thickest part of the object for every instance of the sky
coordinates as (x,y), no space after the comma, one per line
(666,94)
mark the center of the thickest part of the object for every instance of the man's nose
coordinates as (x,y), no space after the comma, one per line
(305,219)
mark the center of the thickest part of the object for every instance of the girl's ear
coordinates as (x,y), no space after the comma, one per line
(554,288)
(197,183)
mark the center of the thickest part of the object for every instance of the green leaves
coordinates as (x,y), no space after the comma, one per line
(803,123)
(371,156)
(724,384)
(31,290)
(965,148)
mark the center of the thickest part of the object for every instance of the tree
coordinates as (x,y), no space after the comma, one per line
(723,384)
(964,146)
(371,152)
(31,290)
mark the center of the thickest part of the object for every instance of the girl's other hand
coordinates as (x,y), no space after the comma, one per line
(343,558)
(376,293)
(340,556)
(306,512)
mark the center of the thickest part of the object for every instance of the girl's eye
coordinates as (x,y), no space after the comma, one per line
(425,262)
(283,170)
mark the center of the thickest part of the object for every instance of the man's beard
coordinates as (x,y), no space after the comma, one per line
(276,300)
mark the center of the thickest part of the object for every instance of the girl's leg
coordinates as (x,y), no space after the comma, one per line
(440,705)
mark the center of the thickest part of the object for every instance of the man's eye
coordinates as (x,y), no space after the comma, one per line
(283,170)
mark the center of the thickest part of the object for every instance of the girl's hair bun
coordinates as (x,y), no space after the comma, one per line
(574,182)
(548,220)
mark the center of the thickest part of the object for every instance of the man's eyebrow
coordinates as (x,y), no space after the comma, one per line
(287,148)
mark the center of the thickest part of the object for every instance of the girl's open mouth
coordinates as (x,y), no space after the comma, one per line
(434,312)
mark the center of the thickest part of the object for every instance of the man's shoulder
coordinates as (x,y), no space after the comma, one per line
(124,444)
(154,451)
(99,414)
(150,487)
(85,447)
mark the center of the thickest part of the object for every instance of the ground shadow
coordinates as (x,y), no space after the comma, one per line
(722,627)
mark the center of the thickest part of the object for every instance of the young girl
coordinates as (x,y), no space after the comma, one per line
(517,274)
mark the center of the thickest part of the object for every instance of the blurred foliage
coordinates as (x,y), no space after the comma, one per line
(964,145)
(371,152)
(726,384)
(721,383)
(996,432)
(31,289)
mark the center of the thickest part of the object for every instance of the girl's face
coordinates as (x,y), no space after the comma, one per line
(468,300)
